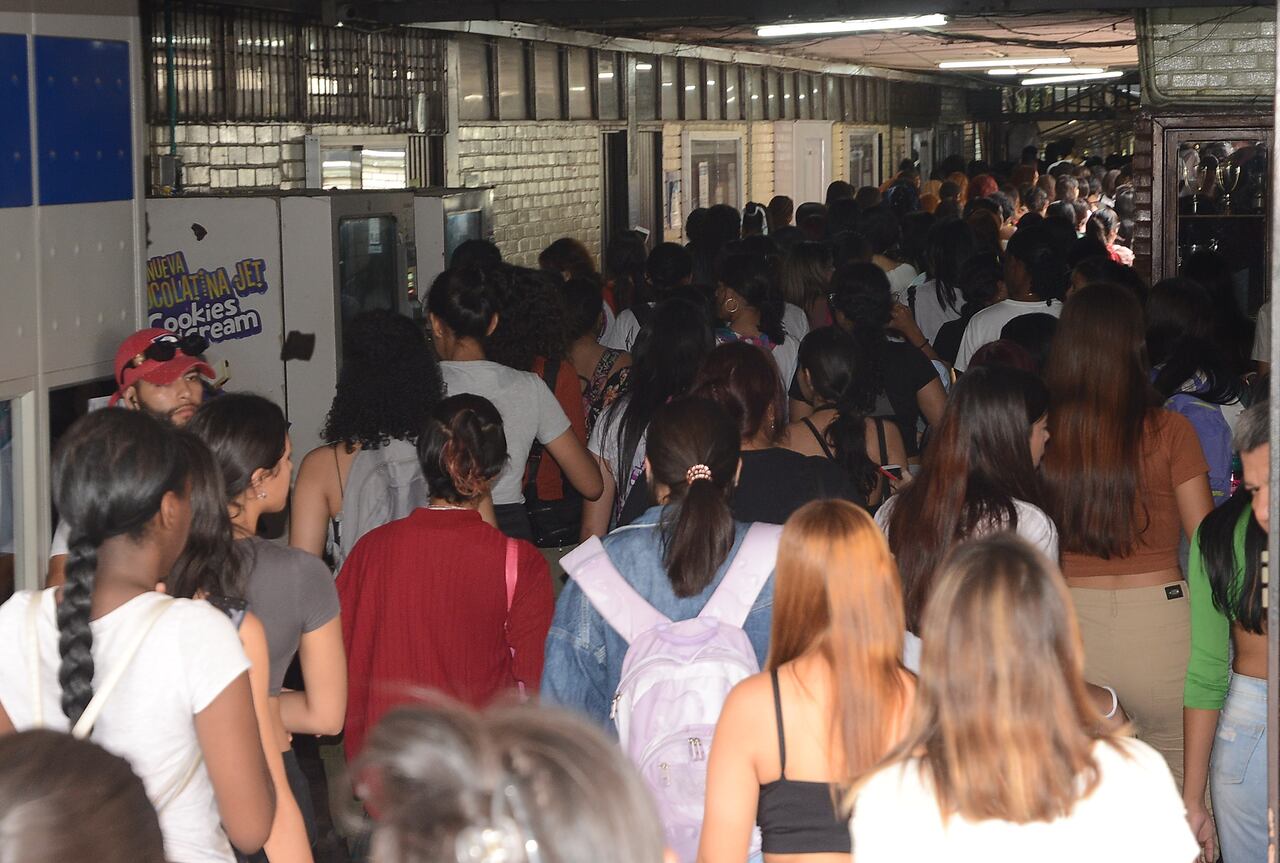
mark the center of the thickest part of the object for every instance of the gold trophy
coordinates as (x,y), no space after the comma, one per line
(1228,178)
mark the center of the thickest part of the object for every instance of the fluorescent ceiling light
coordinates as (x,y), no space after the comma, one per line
(1050,70)
(821,28)
(995,62)
(1067,79)
(644,67)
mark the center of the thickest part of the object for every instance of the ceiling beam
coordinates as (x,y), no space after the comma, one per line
(657,13)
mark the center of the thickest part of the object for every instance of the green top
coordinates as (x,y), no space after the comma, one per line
(1209,667)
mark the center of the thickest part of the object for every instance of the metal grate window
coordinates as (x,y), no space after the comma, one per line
(236,64)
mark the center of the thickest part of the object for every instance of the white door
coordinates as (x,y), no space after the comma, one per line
(811,161)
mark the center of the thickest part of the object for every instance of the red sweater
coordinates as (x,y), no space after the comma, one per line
(424,605)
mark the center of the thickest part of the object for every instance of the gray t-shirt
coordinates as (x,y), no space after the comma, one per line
(292,593)
(528,407)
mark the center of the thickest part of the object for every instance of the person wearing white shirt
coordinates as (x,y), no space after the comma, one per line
(161,682)
(1008,758)
(978,477)
(1036,278)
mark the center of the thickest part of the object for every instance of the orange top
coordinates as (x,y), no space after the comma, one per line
(568,393)
(1171,455)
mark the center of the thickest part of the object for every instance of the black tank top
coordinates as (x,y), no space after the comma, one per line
(798,817)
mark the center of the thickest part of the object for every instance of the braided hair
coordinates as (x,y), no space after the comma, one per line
(111,472)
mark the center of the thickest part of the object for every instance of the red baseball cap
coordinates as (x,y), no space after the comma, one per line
(133,365)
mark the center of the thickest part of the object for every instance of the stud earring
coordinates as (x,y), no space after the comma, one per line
(262,495)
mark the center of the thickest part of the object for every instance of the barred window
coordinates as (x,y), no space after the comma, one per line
(233,64)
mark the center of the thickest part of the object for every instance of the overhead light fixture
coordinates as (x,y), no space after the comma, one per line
(996,62)
(1068,79)
(1050,70)
(857,25)
(644,67)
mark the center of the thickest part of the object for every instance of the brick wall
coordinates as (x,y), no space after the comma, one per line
(547,178)
(1217,55)
(758,154)
(226,156)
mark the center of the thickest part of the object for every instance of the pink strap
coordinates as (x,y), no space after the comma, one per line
(512,574)
(513,571)
(621,606)
(752,565)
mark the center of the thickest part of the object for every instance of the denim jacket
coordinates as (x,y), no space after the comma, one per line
(584,654)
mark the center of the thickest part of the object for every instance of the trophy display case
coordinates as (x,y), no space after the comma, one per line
(1210,191)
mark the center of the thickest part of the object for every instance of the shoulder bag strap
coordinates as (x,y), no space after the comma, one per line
(512,573)
(751,568)
(33,655)
(550,371)
(84,726)
(884,455)
(614,598)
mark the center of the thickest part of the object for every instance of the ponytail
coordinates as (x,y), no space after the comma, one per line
(693,449)
(110,475)
(834,362)
(463,448)
(75,638)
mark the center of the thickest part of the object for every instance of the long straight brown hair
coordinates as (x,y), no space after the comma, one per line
(1003,725)
(1099,402)
(836,592)
(977,465)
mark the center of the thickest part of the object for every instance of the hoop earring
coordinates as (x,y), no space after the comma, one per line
(731,311)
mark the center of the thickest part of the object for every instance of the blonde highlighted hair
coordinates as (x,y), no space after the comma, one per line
(1004,727)
(836,591)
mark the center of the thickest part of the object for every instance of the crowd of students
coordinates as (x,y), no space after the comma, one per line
(910,530)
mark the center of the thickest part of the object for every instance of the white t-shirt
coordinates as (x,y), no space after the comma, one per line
(528,407)
(1262,334)
(1134,813)
(1034,525)
(930,314)
(603,442)
(900,278)
(985,326)
(621,334)
(188,658)
(61,536)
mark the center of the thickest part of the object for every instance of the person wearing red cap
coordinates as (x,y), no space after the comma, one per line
(156,371)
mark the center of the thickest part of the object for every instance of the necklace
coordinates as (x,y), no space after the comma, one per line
(446,506)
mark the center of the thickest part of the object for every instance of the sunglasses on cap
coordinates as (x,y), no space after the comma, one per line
(164,348)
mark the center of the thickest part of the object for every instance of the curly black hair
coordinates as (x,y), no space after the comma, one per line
(389,382)
(532,318)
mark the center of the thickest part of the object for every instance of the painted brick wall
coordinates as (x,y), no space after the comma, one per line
(758,153)
(223,157)
(548,182)
(1218,55)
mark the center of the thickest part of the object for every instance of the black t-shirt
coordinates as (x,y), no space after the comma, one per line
(947,342)
(776,482)
(906,371)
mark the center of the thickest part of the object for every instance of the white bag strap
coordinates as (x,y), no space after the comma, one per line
(613,597)
(33,655)
(751,568)
(84,726)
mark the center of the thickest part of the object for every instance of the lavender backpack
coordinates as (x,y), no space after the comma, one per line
(677,675)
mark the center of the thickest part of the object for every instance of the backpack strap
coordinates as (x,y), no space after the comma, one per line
(614,598)
(84,726)
(751,568)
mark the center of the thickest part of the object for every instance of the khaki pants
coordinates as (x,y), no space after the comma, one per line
(1137,642)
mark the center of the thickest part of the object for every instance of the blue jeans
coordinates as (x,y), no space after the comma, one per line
(1238,772)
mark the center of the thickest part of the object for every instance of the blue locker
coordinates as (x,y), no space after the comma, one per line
(15,123)
(84,132)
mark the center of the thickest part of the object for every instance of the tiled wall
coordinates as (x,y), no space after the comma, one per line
(548,182)
(1218,54)
(251,156)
